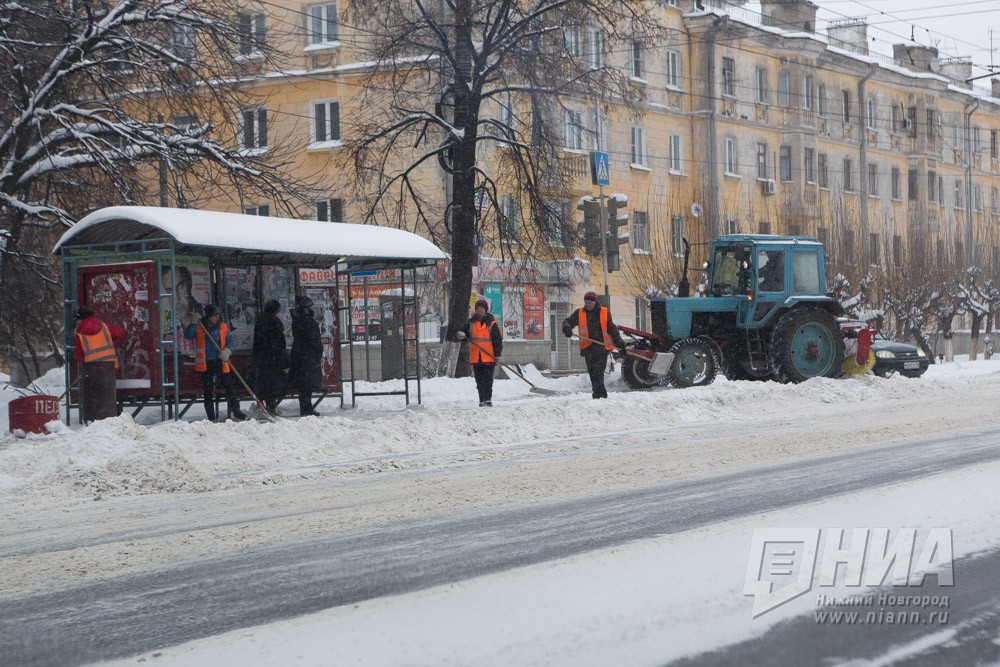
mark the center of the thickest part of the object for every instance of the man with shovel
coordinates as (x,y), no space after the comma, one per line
(485,346)
(593,322)
(212,361)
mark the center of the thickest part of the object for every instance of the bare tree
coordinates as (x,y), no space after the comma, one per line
(451,80)
(99,95)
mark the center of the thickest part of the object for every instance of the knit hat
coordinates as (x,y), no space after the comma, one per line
(211,310)
(83,312)
(272,306)
(303,302)
(484,303)
(590,296)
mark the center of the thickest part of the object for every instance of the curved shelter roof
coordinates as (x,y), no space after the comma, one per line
(237,239)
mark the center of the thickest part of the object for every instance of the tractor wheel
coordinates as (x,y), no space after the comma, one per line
(738,366)
(806,343)
(636,374)
(694,365)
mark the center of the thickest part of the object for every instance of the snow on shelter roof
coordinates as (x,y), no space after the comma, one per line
(235,238)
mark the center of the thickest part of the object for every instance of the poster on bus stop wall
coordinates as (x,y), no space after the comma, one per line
(192,294)
(534,312)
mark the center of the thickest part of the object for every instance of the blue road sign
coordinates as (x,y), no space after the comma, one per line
(364,274)
(600,168)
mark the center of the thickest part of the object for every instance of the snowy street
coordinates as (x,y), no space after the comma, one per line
(124,539)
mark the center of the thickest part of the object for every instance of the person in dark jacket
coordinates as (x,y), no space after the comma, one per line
(306,370)
(485,347)
(593,321)
(270,356)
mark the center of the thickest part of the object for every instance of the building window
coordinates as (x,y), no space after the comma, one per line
(677,236)
(597,129)
(785,163)
(326,121)
(676,157)
(765,227)
(555,223)
(821,100)
(897,251)
(895,183)
(872,180)
(941,191)
(641,310)
(184,41)
(640,231)
(808,159)
(895,118)
(783,92)
(794,230)
(993,144)
(260,209)
(977,198)
(323,23)
(807,93)
(871,114)
(930,125)
(573,129)
(571,36)
(729,77)
(873,257)
(506,118)
(761,160)
(911,185)
(845,105)
(253,133)
(732,165)
(848,175)
(931,186)
(761,86)
(976,143)
(595,48)
(251,35)
(635,59)
(822,176)
(508,222)
(911,115)
(639,147)
(673,69)
(732,226)
(330,210)
(993,204)
(958,194)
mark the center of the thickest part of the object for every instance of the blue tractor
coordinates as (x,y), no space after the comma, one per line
(765,315)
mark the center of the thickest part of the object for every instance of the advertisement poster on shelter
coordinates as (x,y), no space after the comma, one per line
(534,312)
(190,297)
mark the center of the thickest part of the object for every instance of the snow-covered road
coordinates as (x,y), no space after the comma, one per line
(204,501)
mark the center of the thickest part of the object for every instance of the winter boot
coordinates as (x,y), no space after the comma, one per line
(305,405)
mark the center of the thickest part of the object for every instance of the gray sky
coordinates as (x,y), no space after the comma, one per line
(958,28)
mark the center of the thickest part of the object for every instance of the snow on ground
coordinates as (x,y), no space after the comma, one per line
(642,603)
(121,457)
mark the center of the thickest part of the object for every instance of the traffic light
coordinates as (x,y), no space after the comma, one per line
(618,235)
(590,226)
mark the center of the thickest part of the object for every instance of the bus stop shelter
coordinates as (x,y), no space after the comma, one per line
(151,270)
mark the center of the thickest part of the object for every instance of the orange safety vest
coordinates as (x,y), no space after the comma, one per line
(98,346)
(582,328)
(481,337)
(200,362)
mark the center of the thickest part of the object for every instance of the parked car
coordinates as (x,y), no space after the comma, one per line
(893,357)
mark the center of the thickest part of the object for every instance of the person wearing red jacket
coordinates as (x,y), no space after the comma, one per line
(94,349)
(91,343)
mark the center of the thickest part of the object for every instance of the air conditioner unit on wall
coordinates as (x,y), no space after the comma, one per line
(769,186)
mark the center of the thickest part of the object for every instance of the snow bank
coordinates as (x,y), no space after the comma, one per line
(119,457)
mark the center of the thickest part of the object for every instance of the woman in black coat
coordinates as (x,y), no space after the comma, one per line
(307,355)
(270,356)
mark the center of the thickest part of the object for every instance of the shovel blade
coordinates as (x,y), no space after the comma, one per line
(660,365)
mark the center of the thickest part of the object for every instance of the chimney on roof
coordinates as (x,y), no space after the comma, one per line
(849,35)
(789,15)
(959,70)
(916,57)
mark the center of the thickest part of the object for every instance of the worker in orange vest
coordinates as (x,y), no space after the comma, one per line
(94,348)
(212,361)
(593,321)
(485,347)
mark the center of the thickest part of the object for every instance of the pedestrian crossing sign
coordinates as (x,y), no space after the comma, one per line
(600,168)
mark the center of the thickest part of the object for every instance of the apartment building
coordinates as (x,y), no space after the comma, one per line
(747,123)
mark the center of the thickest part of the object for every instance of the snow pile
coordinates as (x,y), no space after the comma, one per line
(119,457)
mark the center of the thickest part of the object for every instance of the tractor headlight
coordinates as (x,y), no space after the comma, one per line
(885,354)
(921,353)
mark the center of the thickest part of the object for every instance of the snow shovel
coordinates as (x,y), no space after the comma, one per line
(535,389)
(260,404)
(658,365)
